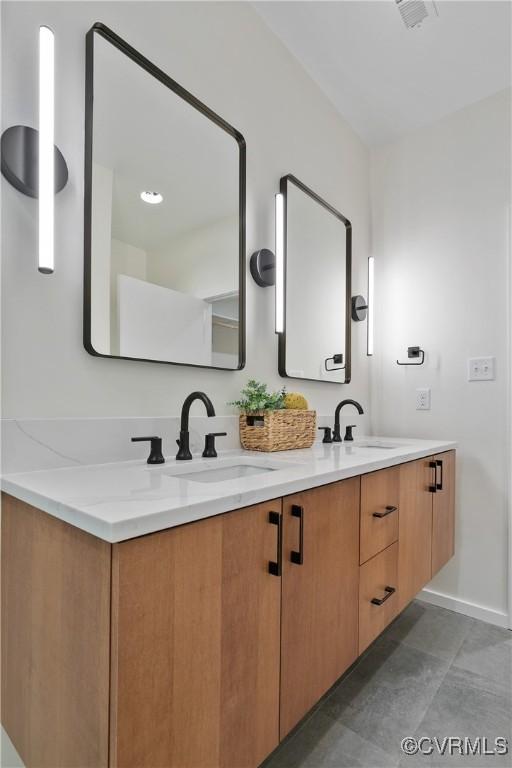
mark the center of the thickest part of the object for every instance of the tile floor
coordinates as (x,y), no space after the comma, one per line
(432,673)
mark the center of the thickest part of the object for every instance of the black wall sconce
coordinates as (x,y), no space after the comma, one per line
(359,308)
(414,353)
(30,160)
(263,267)
(20,161)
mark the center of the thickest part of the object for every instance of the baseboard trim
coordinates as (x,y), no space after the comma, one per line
(499,618)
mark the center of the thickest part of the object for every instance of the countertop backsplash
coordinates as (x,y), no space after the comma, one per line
(32,444)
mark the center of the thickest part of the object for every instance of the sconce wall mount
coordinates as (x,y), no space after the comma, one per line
(263,267)
(359,308)
(20,161)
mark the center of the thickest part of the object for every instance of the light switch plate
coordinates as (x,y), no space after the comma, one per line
(481,368)
(423,399)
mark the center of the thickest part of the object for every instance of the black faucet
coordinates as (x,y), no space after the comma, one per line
(336,437)
(184,448)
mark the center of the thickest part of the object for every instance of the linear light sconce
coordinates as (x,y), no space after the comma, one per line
(279,205)
(30,160)
(371,303)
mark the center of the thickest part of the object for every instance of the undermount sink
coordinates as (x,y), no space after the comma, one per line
(222,470)
(377,444)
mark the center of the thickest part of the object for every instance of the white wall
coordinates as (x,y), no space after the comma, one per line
(226,56)
(441,203)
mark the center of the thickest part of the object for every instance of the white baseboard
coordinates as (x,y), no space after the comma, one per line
(499,618)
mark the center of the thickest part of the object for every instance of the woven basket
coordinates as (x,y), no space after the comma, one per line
(281,430)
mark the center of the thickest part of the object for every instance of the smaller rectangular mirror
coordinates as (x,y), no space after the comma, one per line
(317,243)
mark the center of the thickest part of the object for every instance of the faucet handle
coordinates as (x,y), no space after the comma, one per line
(155,454)
(348,432)
(209,444)
(327,434)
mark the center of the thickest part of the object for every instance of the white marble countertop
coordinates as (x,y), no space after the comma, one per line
(120,501)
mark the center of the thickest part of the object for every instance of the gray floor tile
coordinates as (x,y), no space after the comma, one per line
(387,694)
(9,758)
(487,651)
(430,629)
(466,705)
(325,743)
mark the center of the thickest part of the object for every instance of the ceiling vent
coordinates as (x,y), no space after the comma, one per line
(414,12)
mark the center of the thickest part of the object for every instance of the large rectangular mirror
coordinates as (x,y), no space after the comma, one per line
(317,247)
(164,216)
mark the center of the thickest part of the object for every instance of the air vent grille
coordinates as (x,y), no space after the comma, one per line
(413,12)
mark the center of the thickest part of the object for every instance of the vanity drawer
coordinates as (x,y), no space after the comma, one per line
(378,594)
(379,511)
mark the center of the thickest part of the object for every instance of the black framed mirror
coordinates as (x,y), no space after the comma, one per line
(317,267)
(164,216)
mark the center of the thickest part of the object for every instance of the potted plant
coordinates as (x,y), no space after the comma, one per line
(270,422)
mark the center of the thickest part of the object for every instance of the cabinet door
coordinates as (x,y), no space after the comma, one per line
(195,644)
(319,594)
(378,595)
(443,520)
(379,511)
(415,529)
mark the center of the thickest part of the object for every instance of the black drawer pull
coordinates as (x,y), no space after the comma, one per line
(388,510)
(433,488)
(379,600)
(439,485)
(274,567)
(297,557)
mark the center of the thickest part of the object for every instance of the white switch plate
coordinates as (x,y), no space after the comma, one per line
(481,368)
(423,399)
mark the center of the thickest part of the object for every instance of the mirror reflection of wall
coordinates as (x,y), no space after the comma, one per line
(165,232)
(317,285)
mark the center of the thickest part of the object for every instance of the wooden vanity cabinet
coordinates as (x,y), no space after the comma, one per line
(195,644)
(319,610)
(203,645)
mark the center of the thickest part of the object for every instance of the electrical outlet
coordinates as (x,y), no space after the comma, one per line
(423,399)
(481,368)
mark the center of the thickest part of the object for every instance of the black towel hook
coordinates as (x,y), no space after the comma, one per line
(414,352)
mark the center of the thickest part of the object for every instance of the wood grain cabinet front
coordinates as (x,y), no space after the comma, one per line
(195,644)
(319,594)
(415,529)
(379,511)
(443,514)
(378,595)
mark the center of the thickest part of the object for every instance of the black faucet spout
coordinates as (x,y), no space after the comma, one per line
(336,437)
(184,453)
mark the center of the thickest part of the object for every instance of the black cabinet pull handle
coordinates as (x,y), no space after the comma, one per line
(433,465)
(439,485)
(298,557)
(274,567)
(379,600)
(388,510)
